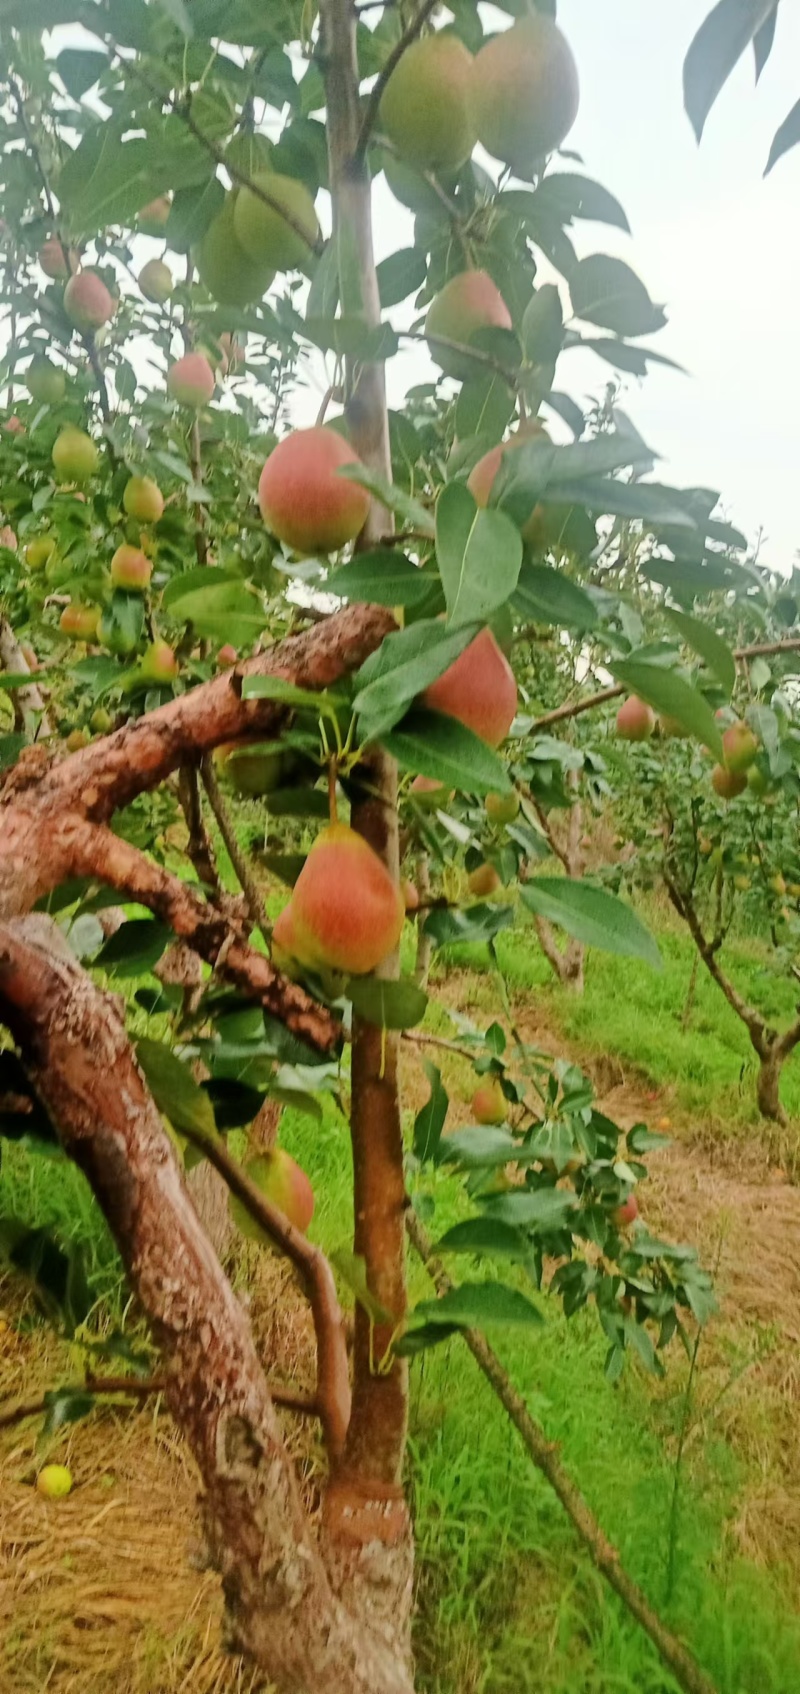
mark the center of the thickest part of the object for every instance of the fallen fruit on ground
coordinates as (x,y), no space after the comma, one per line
(88,303)
(143,499)
(635,720)
(524,92)
(478,689)
(190,381)
(156,281)
(45,381)
(346,911)
(54,1482)
(75,455)
(282,1181)
(489,1104)
(304,502)
(265,234)
(425,110)
(131,568)
(468,303)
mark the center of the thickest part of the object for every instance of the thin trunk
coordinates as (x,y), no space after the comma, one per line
(688,1005)
(768,1088)
(422,965)
(367,1521)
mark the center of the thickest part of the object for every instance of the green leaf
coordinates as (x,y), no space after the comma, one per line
(63,1406)
(287,694)
(480,1145)
(191,213)
(478,1305)
(668,693)
(432,744)
(479,553)
(543,326)
(352,1269)
(487,1236)
(625,357)
(401,274)
(477,923)
(718,45)
(134,948)
(607,292)
(708,644)
(485,407)
(221,607)
(591,915)
(106,180)
(405,507)
(79,69)
(387,1005)
(404,665)
(640,1139)
(174,1089)
(565,195)
(786,137)
(430,1119)
(548,596)
(763,41)
(384,577)
(539,1210)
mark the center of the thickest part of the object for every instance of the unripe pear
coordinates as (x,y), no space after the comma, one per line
(190,381)
(76,740)
(39,550)
(224,268)
(45,381)
(739,747)
(430,793)
(777,883)
(101,720)
(478,689)
(483,881)
(87,302)
(635,720)
(79,621)
(131,568)
(265,235)
(304,502)
(524,92)
(502,808)
(159,663)
(627,1213)
(489,1104)
(468,303)
(53,261)
(156,281)
(152,218)
(346,911)
(254,767)
(424,110)
(282,1181)
(757,781)
(143,499)
(75,455)
(727,784)
(54,1482)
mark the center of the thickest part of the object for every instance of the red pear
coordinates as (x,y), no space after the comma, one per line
(627,1213)
(489,1103)
(190,381)
(130,568)
(739,747)
(304,502)
(468,302)
(635,720)
(524,92)
(483,881)
(282,1181)
(87,302)
(346,912)
(478,689)
(727,784)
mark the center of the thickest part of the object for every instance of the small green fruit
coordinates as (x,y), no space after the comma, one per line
(502,808)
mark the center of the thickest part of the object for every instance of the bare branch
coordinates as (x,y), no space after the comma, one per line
(238,858)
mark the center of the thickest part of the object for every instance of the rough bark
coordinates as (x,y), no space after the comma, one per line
(281,1607)
(367,1522)
(768,1088)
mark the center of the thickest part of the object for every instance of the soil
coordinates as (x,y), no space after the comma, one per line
(103,1593)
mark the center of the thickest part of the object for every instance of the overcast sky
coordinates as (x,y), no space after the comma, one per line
(717,244)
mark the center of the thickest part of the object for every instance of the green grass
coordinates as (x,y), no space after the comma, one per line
(508,1600)
(635,1013)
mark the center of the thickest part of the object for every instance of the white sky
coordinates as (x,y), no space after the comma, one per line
(714,242)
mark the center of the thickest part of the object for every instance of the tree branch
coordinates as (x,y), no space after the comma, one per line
(754,1024)
(139,1388)
(238,858)
(590,702)
(545,1456)
(409,35)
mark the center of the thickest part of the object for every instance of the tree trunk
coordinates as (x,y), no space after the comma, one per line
(769,1087)
(567,966)
(280,1605)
